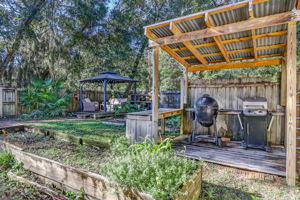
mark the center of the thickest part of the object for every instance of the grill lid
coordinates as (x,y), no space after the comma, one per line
(206,109)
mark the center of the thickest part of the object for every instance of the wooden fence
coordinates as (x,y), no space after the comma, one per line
(11,106)
(229,94)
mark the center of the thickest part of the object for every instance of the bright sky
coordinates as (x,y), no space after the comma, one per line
(111,4)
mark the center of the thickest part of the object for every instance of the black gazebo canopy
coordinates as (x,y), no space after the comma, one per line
(107,77)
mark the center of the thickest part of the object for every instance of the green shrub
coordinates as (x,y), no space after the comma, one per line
(6,160)
(150,168)
(45,99)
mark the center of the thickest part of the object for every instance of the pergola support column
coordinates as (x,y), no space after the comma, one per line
(134,93)
(183,102)
(105,90)
(290,120)
(155,84)
(80,97)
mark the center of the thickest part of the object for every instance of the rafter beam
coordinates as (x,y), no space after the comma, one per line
(256,63)
(249,24)
(253,31)
(217,39)
(181,60)
(279,33)
(240,50)
(188,44)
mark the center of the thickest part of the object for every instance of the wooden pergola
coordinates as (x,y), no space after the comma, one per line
(250,33)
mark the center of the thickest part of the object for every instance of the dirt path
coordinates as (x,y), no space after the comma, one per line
(13,122)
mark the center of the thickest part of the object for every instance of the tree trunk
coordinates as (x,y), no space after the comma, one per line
(135,67)
(19,36)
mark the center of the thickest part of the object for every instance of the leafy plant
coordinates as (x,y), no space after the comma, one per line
(126,107)
(6,160)
(45,99)
(150,168)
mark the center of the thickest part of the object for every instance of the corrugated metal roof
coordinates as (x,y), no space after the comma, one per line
(163,31)
(192,25)
(247,54)
(176,45)
(184,53)
(193,60)
(202,41)
(230,16)
(238,45)
(267,41)
(273,7)
(264,52)
(271,29)
(214,58)
(266,8)
(236,35)
(210,49)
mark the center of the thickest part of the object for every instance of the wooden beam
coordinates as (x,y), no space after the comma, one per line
(175,55)
(271,46)
(290,121)
(298,5)
(283,80)
(242,50)
(249,24)
(256,63)
(188,44)
(279,33)
(253,31)
(166,48)
(217,39)
(155,85)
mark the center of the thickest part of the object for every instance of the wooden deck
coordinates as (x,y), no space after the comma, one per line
(235,156)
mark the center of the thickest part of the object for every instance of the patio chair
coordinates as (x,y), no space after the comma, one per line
(113,102)
(89,106)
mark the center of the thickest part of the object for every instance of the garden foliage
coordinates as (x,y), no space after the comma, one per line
(150,168)
(45,99)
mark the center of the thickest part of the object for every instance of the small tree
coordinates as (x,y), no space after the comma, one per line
(45,99)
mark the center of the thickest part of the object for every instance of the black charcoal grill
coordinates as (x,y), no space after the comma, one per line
(206,111)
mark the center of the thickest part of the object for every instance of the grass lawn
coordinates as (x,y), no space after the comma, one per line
(222,184)
(87,129)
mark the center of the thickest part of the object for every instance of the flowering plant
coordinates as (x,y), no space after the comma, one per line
(4,132)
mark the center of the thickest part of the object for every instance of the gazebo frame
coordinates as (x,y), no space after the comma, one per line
(106,77)
(181,38)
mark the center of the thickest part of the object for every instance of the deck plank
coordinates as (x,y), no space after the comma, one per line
(254,160)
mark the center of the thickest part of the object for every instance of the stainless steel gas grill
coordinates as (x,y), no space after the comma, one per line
(256,123)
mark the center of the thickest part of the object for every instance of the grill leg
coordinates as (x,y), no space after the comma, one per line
(215,131)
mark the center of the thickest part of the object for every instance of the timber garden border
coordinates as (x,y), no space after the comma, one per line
(73,179)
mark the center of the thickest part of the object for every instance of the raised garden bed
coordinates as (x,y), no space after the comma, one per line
(75,167)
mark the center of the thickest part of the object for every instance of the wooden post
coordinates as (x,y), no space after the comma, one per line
(184,127)
(182,92)
(80,97)
(155,84)
(134,93)
(105,85)
(283,80)
(163,126)
(290,122)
